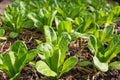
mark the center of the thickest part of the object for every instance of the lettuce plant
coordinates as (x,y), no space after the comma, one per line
(106,34)
(103,55)
(86,23)
(13,62)
(15,18)
(43,18)
(53,53)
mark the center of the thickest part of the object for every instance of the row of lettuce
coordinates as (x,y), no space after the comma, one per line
(61,21)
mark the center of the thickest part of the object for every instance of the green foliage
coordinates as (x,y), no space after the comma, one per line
(107,33)
(85,63)
(64,26)
(15,18)
(42,18)
(13,62)
(81,18)
(115,65)
(103,55)
(53,54)
(43,68)
(2,32)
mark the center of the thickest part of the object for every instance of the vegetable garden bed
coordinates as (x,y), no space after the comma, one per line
(51,40)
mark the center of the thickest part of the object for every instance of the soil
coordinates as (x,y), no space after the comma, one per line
(3,4)
(77,48)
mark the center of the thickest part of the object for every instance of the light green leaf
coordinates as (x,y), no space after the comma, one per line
(19,48)
(64,40)
(92,44)
(7,62)
(115,65)
(50,20)
(28,24)
(74,35)
(30,55)
(55,60)
(44,69)
(45,50)
(32,63)
(85,63)
(15,77)
(13,34)
(101,66)
(12,57)
(109,29)
(32,16)
(113,48)
(3,38)
(98,34)
(50,35)
(64,26)
(69,64)
(2,32)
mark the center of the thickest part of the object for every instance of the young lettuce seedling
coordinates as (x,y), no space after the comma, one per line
(15,19)
(13,62)
(53,53)
(43,18)
(103,55)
